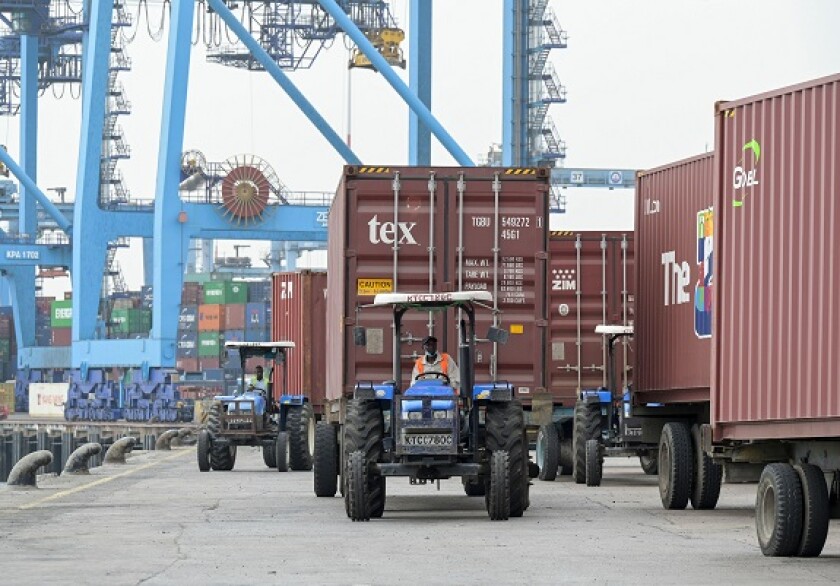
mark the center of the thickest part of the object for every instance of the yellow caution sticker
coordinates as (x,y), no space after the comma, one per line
(517,329)
(374,286)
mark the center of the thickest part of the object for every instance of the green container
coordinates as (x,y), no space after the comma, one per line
(225,292)
(132,321)
(209,344)
(61,314)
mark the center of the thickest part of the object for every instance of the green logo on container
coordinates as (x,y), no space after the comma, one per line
(744,177)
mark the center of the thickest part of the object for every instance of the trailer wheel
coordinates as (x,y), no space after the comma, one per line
(281,451)
(498,497)
(707,476)
(815,510)
(587,426)
(473,486)
(676,468)
(505,426)
(778,510)
(548,452)
(650,463)
(356,495)
(203,450)
(325,460)
(300,425)
(269,456)
(594,463)
(363,430)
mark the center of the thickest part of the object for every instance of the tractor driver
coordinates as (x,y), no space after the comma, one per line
(258,383)
(433,361)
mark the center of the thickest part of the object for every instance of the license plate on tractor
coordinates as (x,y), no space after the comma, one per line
(428,439)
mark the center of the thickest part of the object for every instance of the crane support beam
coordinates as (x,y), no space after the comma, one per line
(381,65)
(420,80)
(284,82)
(31,255)
(33,190)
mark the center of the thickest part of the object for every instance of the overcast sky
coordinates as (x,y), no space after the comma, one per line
(642,78)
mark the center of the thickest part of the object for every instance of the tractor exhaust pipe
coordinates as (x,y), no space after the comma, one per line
(116,453)
(24,472)
(77,463)
(164,442)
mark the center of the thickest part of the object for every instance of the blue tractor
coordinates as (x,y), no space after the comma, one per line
(283,425)
(431,431)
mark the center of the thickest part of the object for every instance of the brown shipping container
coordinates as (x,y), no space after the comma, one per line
(674,263)
(62,336)
(590,283)
(209,362)
(210,318)
(187,364)
(775,367)
(298,314)
(444,242)
(234,316)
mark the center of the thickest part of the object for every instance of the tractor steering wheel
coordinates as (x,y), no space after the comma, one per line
(439,375)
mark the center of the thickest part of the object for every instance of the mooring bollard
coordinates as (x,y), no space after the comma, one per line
(185,438)
(25,471)
(164,441)
(78,462)
(116,453)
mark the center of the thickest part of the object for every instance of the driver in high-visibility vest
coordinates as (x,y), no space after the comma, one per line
(432,361)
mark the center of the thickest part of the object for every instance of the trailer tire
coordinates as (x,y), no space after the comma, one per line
(300,425)
(594,463)
(357,497)
(815,510)
(778,510)
(498,497)
(708,476)
(676,466)
(587,426)
(548,452)
(203,450)
(281,451)
(650,463)
(473,486)
(364,429)
(505,426)
(325,461)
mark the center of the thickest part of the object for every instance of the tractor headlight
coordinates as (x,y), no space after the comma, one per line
(443,414)
(412,415)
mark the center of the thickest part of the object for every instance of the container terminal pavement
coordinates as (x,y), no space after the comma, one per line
(157,520)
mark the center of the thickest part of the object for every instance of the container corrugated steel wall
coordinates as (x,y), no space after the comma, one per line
(445,243)
(298,314)
(776,370)
(590,283)
(674,270)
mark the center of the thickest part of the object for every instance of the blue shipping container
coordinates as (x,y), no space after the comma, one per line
(188,318)
(259,291)
(261,335)
(234,335)
(255,316)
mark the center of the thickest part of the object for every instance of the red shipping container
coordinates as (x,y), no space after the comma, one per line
(234,316)
(187,364)
(775,366)
(207,362)
(298,314)
(674,246)
(62,336)
(445,242)
(590,283)
(210,318)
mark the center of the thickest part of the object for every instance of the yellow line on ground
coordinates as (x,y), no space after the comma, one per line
(82,487)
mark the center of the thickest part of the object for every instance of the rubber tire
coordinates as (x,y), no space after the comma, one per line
(357,497)
(222,458)
(778,510)
(364,429)
(587,426)
(650,463)
(203,450)
(708,475)
(548,452)
(300,422)
(268,454)
(505,429)
(281,451)
(594,463)
(213,416)
(325,461)
(498,498)
(473,486)
(676,466)
(815,510)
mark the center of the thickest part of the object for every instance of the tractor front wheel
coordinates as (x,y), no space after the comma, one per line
(203,450)
(498,498)
(300,425)
(281,451)
(325,463)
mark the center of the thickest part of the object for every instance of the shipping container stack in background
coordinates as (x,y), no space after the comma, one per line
(445,241)
(775,338)
(299,316)
(8,346)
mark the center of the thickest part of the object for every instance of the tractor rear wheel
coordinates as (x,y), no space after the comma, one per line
(281,451)
(203,450)
(548,452)
(364,429)
(498,498)
(325,465)
(300,425)
(357,487)
(505,423)
(587,426)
